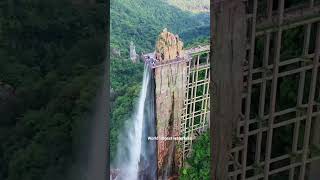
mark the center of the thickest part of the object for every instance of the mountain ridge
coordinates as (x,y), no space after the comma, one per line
(194,6)
(142,20)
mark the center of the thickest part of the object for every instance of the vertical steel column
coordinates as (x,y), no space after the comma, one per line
(274,91)
(306,138)
(249,88)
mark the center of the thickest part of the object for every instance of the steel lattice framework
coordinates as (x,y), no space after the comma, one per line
(259,149)
(195,114)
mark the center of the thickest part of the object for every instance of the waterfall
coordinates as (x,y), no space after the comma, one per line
(136,156)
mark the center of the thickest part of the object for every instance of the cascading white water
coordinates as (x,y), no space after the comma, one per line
(133,150)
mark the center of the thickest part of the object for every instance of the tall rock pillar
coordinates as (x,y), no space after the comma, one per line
(170,86)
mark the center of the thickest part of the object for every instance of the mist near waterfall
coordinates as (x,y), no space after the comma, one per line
(136,156)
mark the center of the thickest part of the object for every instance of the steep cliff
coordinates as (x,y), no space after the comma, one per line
(170,82)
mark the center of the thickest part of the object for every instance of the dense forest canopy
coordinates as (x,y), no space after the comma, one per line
(51,55)
(141,21)
(195,6)
(198,164)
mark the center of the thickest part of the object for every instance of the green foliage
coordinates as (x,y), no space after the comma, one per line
(141,21)
(51,53)
(199,163)
(198,42)
(195,6)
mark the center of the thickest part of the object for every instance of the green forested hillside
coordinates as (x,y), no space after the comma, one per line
(51,55)
(141,21)
(196,6)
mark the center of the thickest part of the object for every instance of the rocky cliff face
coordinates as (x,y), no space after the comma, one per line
(168,46)
(170,83)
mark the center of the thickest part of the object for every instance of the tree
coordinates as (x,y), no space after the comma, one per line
(198,165)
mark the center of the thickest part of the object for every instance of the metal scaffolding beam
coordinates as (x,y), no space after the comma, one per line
(195,114)
(255,154)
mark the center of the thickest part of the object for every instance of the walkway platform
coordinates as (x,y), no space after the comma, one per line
(154,63)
